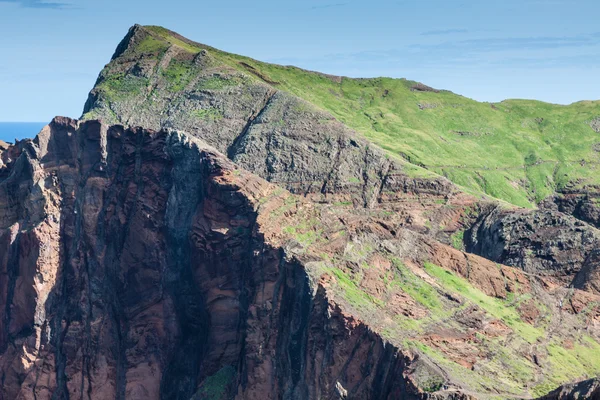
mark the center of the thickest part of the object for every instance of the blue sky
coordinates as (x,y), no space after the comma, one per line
(488,50)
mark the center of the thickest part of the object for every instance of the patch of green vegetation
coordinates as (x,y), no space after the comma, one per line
(415,287)
(215,387)
(306,231)
(496,307)
(107,115)
(219,82)
(570,364)
(407,324)
(349,288)
(208,114)
(173,39)
(289,203)
(488,378)
(178,74)
(151,45)
(119,86)
(305,238)
(544,388)
(457,240)
(343,203)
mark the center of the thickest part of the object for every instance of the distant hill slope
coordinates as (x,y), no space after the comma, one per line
(520,151)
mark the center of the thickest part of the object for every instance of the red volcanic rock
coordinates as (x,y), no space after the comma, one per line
(132,266)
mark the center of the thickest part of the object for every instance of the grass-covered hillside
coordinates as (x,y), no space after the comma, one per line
(520,151)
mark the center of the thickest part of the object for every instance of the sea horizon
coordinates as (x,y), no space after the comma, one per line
(14,130)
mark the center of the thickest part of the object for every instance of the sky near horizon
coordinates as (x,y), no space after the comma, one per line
(547,50)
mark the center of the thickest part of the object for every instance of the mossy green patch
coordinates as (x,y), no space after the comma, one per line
(151,45)
(173,39)
(415,287)
(215,387)
(208,114)
(219,82)
(496,307)
(570,364)
(178,74)
(457,240)
(119,86)
(349,288)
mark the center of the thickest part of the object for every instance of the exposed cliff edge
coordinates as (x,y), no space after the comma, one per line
(133,267)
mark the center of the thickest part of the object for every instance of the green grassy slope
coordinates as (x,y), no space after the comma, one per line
(519,151)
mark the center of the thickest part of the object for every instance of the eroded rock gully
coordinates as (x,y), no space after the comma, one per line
(540,242)
(132,266)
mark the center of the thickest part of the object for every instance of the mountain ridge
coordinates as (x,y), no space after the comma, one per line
(418,123)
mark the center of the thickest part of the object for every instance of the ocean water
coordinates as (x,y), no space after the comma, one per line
(9,131)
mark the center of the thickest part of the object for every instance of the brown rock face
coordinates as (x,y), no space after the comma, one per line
(132,266)
(589,389)
(541,242)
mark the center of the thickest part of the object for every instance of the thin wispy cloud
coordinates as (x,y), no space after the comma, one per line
(39,4)
(518,52)
(324,6)
(486,45)
(591,60)
(444,32)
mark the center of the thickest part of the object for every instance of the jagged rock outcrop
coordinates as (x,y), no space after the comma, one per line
(583,206)
(539,242)
(589,389)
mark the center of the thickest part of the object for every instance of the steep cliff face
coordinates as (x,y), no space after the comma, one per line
(582,205)
(133,267)
(542,242)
